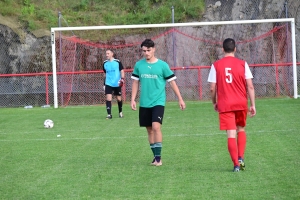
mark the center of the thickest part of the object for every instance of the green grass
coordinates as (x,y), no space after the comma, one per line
(36,14)
(109,159)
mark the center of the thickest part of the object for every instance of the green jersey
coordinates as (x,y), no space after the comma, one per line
(152,77)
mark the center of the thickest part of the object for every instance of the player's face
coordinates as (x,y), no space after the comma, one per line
(109,54)
(148,53)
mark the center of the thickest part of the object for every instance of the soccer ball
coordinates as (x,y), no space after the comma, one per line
(48,123)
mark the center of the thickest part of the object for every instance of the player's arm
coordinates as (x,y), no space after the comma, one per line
(212,79)
(121,68)
(122,74)
(121,81)
(170,77)
(177,92)
(135,86)
(213,95)
(250,89)
(104,77)
(251,93)
(104,74)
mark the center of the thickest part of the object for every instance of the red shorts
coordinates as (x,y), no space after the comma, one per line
(230,120)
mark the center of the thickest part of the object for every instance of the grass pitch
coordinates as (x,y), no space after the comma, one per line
(97,158)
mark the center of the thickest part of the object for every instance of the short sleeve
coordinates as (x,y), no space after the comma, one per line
(248,73)
(212,75)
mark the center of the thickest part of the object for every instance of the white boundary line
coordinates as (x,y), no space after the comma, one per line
(145,136)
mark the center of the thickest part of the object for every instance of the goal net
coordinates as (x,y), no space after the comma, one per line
(189,48)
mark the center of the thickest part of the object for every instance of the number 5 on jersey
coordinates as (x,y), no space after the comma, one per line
(228,75)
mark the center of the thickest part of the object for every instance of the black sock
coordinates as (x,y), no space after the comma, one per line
(157,151)
(108,107)
(157,158)
(120,103)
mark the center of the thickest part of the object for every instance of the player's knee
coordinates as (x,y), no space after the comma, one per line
(156,127)
(240,128)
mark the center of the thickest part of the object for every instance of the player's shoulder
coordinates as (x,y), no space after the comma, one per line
(231,58)
(117,60)
(105,61)
(239,60)
(235,59)
(217,62)
(140,62)
(162,62)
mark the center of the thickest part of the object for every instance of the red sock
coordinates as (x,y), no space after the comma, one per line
(233,151)
(241,143)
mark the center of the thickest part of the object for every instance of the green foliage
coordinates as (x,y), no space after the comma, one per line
(32,25)
(6,8)
(43,15)
(97,158)
(96,12)
(82,6)
(28,8)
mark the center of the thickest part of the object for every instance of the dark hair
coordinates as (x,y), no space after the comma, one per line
(229,45)
(110,51)
(113,52)
(147,43)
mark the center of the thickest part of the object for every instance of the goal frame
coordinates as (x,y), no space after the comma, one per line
(171,25)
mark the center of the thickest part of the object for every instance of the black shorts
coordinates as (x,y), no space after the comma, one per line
(113,90)
(149,115)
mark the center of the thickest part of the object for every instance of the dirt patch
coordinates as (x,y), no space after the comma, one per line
(41,33)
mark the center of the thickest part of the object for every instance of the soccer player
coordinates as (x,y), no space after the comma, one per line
(230,79)
(152,73)
(113,81)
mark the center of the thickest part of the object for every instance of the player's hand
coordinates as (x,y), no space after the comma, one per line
(121,82)
(133,105)
(252,111)
(181,104)
(216,107)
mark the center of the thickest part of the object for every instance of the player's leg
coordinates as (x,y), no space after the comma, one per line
(119,100)
(151,142)
(232,148)
(145,120)
(241,142)
(157,119)
(241,117)
(227,122)
(108,95)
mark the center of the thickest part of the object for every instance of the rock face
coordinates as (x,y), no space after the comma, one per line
(23,55)
(225,10)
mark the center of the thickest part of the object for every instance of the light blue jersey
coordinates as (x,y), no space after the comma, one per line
(112,70)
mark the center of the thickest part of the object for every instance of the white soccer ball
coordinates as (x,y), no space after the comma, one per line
(48,123)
